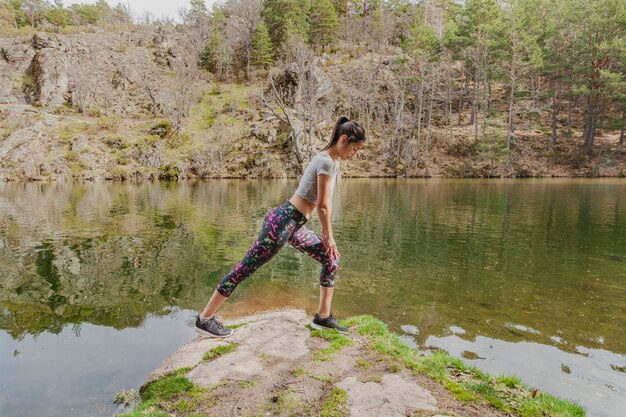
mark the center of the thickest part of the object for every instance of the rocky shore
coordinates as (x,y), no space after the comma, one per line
(275,365)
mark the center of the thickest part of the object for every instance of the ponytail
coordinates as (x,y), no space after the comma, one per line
(345,126)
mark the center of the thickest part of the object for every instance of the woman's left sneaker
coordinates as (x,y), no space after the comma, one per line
(328,323)
(212,328)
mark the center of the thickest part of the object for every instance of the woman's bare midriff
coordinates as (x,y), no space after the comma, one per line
(304,206)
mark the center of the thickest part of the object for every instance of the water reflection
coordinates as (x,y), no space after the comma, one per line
(586,378)
(540,262)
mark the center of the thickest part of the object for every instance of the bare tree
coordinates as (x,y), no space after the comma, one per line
(276,103)
(85,82)
(243,18)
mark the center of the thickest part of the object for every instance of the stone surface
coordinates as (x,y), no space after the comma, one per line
(268,344)
(395,396)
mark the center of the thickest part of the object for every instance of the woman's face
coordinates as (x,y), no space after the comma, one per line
(348,150)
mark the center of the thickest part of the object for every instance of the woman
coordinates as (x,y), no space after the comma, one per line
(286,224)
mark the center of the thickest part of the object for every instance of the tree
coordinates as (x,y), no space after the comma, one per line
(86,13)
(58,17)
(520,49)
(286,18)
(323,20)
(262,48)
(243,18)
(599,45)
(35,11)
(476,33)
(198,13)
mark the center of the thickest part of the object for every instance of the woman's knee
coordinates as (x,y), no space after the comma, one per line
(328,275)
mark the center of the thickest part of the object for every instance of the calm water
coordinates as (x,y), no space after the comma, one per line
(99,282)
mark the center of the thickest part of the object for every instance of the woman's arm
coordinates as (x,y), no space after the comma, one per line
(324,211)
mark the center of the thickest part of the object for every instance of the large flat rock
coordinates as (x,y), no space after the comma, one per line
(395,396)
(268,343)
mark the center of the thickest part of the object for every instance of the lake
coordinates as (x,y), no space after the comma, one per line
(99,282)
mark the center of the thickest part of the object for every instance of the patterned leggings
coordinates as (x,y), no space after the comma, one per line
(283,224)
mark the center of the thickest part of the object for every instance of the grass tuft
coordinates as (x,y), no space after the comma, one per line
(166,388)
(219,351)
(335,405)
(336,339)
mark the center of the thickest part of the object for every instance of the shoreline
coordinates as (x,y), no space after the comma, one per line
(275,365)
(186,180)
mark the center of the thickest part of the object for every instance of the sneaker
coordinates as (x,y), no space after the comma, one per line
(212,328)
(328,323)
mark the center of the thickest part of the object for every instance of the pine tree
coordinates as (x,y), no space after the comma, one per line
(198,10)
(285,18)
(262,48)
(324,23)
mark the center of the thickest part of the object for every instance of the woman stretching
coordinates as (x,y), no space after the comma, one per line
(286,224)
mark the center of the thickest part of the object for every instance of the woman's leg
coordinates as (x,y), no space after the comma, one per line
(213,305)
(306,241)
(273,236)
(326,298)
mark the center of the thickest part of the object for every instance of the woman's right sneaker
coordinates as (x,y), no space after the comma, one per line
(212,328)
(328,323)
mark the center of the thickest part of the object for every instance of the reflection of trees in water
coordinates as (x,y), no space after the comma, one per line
(475,254)
(485,253)
(110,254)
(95,281)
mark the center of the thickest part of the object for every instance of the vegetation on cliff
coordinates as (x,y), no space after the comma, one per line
(250,88)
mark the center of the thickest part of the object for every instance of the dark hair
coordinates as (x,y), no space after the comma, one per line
(350,128)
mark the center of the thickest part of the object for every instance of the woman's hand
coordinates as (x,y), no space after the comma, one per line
(330,247)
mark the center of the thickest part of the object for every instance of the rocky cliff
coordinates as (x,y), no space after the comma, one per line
(134,105)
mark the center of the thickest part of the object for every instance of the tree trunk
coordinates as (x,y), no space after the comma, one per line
(430,113)
(590,129)
(511,129)
(463,93)
(569,116)
(419,121)
(475,106)
(556,104)
(621,134)
(449,83)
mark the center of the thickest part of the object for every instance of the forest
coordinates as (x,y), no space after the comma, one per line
(479,77)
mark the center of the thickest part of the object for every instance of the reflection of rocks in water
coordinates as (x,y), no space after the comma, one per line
(618,368)
(514,328)
(470,355)
(94,280)
(457,330)
(409,329)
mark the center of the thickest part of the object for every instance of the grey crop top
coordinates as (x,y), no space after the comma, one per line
(321,163)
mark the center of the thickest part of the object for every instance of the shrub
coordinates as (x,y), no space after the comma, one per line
(161,129)
(462,149)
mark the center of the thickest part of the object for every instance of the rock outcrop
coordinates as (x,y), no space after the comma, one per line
(272,366)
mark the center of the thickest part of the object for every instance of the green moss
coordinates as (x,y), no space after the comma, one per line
(219,351)
(168,172)
(394,368)
(166,388)
(298,372)
(287,402)
(335,405)
(373,378)
(336,339)
(363,363)
(247,384)
(150,409)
